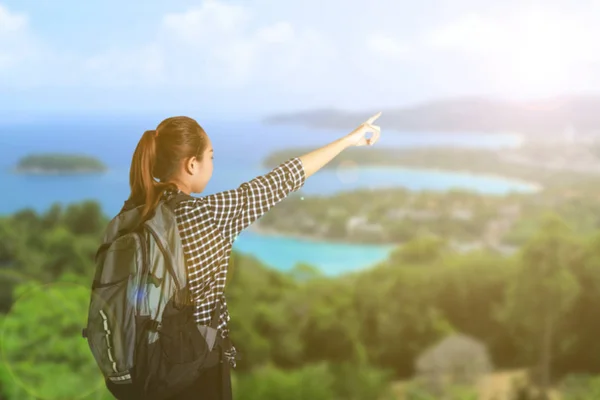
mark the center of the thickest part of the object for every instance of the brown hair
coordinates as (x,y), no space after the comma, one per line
(158,155)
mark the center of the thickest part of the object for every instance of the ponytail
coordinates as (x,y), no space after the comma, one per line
(157,159)
(144,188)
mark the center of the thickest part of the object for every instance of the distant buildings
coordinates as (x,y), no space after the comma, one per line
(361,224)
(461,214)
(574,151)
(418,215)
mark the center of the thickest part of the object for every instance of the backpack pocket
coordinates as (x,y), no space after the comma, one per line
(176,358)
(180,340)
(111,328)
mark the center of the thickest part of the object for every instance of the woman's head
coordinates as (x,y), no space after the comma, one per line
(177,154)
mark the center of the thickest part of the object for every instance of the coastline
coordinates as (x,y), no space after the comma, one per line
(534,186)
(262,231)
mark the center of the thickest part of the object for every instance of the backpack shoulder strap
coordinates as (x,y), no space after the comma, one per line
(178,198)
(130,204)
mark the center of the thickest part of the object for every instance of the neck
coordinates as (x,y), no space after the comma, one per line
(184,187)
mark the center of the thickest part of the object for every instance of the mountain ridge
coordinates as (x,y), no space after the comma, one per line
(475,113)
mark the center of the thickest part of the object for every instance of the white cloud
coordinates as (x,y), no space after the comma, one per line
(532,49)
(208,45)
(220,37)
(233,45)
(10,22)
(539,28)
(280,32)
(204,22)
(216,45)
(386,45)
(471,33)
(117,67)
(16,43)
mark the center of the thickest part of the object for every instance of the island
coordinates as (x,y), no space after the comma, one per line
(59,163)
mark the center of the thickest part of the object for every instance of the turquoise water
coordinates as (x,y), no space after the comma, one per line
(283,253)
(239,148)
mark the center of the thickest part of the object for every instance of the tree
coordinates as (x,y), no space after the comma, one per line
(85,218)
(421,250)
(543,290)
(44,354)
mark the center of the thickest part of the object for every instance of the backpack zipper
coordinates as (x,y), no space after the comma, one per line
(145,266)
(144,251)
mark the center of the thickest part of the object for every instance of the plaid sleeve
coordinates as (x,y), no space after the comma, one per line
(234,210)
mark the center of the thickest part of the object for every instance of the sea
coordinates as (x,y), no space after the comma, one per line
(239,148)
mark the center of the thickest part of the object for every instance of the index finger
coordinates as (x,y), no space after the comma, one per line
(373,118)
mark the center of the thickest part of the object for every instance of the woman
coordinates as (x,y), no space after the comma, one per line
(180,155)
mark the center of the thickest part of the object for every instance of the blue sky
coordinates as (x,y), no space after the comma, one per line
(255,57)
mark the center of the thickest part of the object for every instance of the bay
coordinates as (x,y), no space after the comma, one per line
(239,148)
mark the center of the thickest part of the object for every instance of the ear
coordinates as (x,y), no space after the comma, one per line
(190,165)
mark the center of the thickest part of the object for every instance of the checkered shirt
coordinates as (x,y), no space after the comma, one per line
(208,226)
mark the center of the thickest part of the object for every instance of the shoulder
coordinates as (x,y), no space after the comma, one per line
(187,206)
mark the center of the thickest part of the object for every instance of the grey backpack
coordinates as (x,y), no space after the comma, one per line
(140,327)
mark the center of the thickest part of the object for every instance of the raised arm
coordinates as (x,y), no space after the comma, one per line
(234,210)
(317,159)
